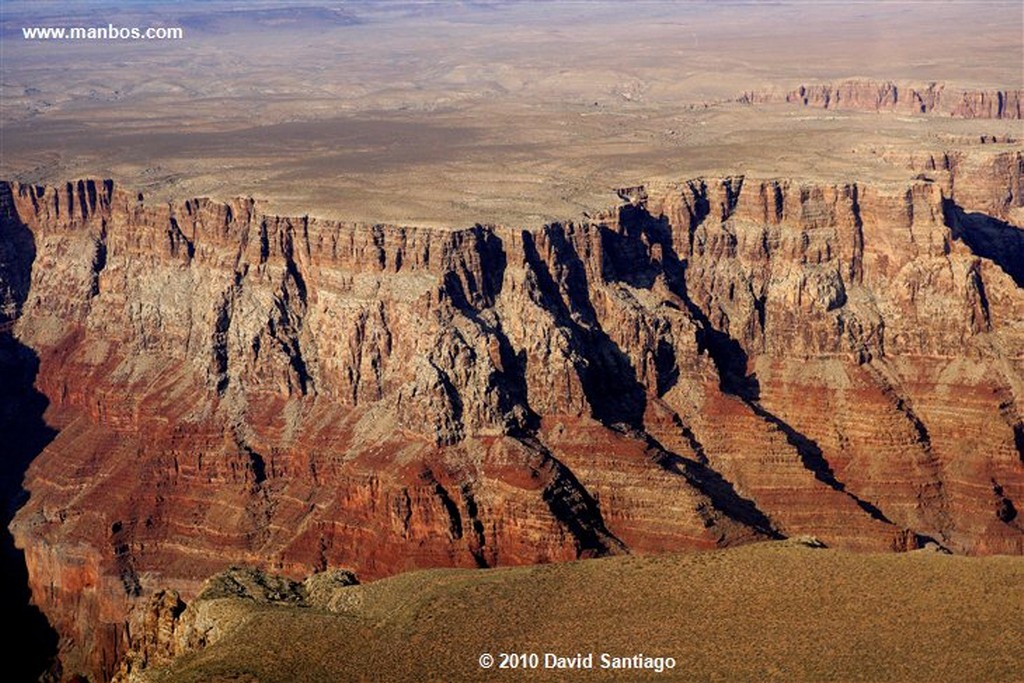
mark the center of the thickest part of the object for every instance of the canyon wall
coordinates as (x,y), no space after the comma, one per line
(725,361)
(865,95)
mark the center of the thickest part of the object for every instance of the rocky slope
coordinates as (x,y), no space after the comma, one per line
(165,627)
(722,361)
(865,95)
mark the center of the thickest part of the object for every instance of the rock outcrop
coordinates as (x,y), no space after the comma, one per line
(726,361)
(864,95)
(164,626)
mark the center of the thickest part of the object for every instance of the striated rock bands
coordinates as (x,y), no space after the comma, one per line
(719,362)
(933,98)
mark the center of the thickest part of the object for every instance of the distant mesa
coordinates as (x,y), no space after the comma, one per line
(886,96)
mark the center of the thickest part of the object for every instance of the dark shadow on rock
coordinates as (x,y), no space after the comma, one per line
(814,460)
(23,435)
(606,373)
(726,352)
(573,505)
(1018,440)
(473,299)
(720,490)
(728,355)
(988,237)
(475,286)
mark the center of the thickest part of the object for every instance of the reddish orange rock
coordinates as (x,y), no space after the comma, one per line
(879,96)
(725,361)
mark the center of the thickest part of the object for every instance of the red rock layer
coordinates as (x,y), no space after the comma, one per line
(732,360)
(886,96)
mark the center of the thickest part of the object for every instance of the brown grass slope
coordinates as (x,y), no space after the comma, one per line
(776,611)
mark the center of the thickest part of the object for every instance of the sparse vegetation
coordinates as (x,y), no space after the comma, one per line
(776,611)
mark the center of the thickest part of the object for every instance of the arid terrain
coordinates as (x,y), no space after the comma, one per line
(497,112)
(390,287)
(765,612)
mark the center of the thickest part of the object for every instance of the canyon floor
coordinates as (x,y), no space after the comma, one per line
(412,288)
(777,611)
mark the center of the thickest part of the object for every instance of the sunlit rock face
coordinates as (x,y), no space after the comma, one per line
(716,362)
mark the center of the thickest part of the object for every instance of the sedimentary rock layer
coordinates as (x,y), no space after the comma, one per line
(722,361)
(933,98)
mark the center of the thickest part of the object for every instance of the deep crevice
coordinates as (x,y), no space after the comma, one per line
(478,540)
(606,374)
(99,259)
(25,434)
(988,237)
(454,516)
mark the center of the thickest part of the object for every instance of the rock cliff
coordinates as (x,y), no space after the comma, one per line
(165,627)
(865,95)
(723,361)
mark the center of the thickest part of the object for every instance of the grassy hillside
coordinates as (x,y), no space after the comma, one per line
(777,611)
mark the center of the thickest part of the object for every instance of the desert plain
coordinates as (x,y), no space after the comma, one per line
(441,114)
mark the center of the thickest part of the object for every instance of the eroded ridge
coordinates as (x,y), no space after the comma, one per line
(866,95)
(718,362)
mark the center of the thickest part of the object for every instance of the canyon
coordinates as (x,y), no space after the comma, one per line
(711,363)
(393,319)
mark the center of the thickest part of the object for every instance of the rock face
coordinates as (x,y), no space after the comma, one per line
(726,361)
(165,627)
(933,98)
